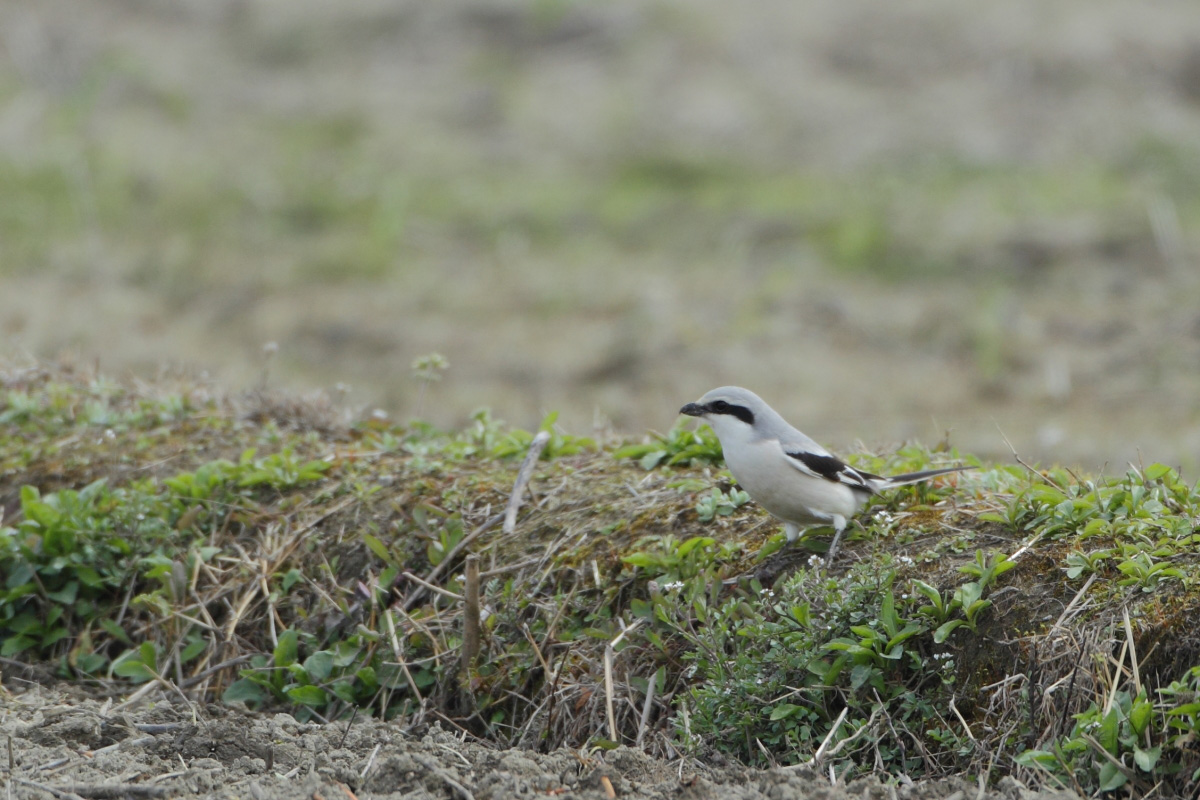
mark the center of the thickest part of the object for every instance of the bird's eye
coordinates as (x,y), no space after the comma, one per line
(720,406)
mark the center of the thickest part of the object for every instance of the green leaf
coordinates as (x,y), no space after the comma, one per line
(1156,471)
(652,459)
(308,695)
(16,644)
(641,609)
(53,636)
(290,579)
(783,710)
(1111,777)
(319,665)
(644,560)
(887,614)
(910,630)
(132,664)
(343,690)
(693,543)
(1139,715)
(1003,567)
(930,592)
(860,674)
(287,649)
(116,631)
(243,690)
(1108,730)
(90,663)
(377,547)
(634,451)
(368,677)
(943,632)
(1146,759)
(1037,758)
(195,647)
(149,655)
(89,576)
(65,595)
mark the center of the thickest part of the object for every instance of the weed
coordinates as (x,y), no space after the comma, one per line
(561,444)
(307,561)
(720,504)
(680,447)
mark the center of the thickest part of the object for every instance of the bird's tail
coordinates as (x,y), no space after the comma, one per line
(917,477)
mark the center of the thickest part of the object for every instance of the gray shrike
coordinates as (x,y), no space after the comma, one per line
(788,473)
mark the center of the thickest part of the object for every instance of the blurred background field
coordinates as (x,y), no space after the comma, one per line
(891,220)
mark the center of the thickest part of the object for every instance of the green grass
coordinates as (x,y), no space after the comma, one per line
(252,550)
(333,201)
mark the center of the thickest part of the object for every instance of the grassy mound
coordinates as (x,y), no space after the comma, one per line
(170,540)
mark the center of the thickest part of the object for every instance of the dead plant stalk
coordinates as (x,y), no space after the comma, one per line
(608,677)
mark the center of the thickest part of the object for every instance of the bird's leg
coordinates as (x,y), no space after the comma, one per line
(839,527)
(792,531)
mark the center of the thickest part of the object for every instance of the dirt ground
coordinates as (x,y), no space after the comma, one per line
(63,743)
(533,179)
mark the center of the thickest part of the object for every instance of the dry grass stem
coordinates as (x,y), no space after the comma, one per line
(523,476)
(471,621)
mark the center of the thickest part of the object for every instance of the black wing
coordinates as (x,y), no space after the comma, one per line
(832,469)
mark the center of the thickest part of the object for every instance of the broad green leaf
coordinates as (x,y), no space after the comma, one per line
(1111,777)
(783,710)
(243,690)
(66,594)
(290,578)
(116,631)
(860,674)
(930,592)
(652,459)
(1146,759)
(16,644)
(1107,731)
(149,655)
(910,630)
(287,649)
(194,648)
(1139,715)
(1156,471)
(693,543)
(943,632)
(308,695)
(89,576)
(319,665)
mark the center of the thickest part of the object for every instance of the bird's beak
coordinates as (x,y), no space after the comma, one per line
(693,410)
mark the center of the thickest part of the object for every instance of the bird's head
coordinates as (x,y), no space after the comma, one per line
(731,411)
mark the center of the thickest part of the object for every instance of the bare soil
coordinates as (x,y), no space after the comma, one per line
(64,743)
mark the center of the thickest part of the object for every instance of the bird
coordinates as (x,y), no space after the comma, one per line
(785,471)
